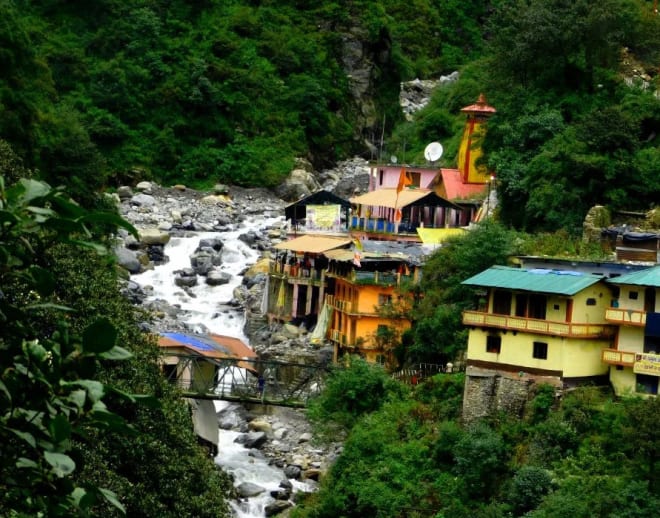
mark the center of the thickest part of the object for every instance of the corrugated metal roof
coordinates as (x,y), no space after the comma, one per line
(313,244)
(647,277)
(211,345)
(561,282)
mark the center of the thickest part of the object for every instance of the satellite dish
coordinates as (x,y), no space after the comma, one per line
(394,159)
(433,151)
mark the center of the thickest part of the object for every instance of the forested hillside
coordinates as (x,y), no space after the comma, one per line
(94,94)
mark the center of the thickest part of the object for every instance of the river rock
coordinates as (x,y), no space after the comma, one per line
(280,494)
(202,261)
(276,507)
(260,426)
(217,278)
(124,192)
(143,200)
(292,471)
(252,439)
(185,278)
(153,236)
(146,187)
(248,489)
(128,260)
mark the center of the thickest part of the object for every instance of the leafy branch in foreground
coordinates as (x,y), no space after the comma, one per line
(48,394)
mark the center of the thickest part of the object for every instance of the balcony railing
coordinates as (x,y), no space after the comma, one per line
(338,337)
(532,325)
(616,357)
(626,316)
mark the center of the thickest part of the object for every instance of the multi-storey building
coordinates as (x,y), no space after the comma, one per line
(635,358)
(540,323)
(368,310)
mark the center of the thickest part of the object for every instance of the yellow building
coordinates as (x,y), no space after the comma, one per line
(635,358)
(366,304)
(540,323)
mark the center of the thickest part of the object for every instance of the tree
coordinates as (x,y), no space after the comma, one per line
(353,389)
(48,395)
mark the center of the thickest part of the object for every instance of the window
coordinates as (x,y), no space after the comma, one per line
(633,295)
(647,384)
(502,302)
(416,179)
(591,302)
(493,344)
(380,359)
(540,351)
(521,305)
(537,306)
(384,299)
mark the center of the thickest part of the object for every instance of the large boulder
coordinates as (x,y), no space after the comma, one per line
(128,259)
(248,489)
(153,236)
(300,183)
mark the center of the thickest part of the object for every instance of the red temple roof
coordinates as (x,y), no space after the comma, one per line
(454,188)
(481,106)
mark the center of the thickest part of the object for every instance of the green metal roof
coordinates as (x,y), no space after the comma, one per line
(539,280)
(646,277)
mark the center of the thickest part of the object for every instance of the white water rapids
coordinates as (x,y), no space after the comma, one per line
(208,311)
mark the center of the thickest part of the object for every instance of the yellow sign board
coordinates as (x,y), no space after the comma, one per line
(323,217)
(647,363)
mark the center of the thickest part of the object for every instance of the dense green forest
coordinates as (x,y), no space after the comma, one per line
(407,454)
(94,94)
(97,94)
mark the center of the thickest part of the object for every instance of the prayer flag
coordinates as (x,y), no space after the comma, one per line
(356,259)
(358,244)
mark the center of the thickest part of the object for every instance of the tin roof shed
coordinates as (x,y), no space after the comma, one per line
(539,280)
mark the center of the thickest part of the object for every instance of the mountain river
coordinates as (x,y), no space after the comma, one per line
(207,311)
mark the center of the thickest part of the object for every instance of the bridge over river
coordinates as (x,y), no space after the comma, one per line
(243,380)
(212,367)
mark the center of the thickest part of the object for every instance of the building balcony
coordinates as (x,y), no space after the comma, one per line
(642,363)
(344,306)
(631,317)
(535,326)
(338,337)
(295,274)
(617,357)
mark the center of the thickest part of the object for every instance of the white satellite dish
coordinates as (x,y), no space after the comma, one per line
(433,151)
(393,159)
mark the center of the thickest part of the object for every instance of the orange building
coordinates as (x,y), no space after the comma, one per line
(367,314)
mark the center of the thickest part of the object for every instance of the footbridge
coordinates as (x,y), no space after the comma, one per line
(215,367)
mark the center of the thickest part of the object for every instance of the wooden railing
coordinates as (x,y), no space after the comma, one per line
(626,316)
(616,357)
(532,325)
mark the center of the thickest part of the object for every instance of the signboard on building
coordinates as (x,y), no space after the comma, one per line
(647,363)
(323,217)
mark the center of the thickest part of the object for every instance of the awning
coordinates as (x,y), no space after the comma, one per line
(435,236)
(407,197)
(313,244)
